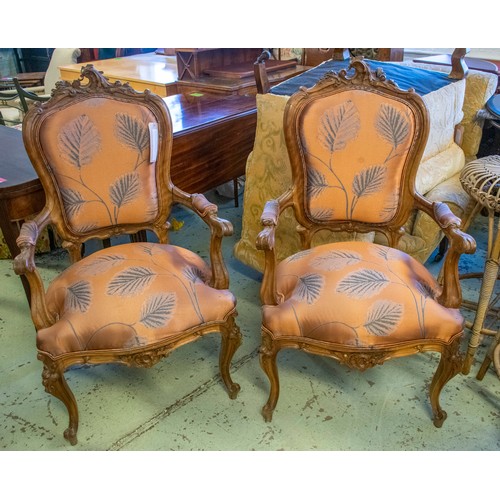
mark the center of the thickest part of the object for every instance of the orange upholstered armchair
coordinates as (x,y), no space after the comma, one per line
(102,152)
(355,141)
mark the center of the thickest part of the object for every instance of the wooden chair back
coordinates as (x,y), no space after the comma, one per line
(102,153)
(355,142)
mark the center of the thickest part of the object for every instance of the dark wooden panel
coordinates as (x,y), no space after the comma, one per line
(210,156)
(245,70)
(213,136)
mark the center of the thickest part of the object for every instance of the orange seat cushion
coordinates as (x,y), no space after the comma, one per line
(131,295)
(358,294)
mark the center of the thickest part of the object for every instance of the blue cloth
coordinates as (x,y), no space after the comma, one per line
(423,81)
(493,105)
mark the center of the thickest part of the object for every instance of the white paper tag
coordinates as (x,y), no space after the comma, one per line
(153,142)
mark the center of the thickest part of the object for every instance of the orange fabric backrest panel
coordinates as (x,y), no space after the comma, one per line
(100,156)
(355,145)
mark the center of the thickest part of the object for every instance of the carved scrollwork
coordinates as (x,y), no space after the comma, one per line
(145,359)
(363,360)
(454,355)
(51,376)
(234,334)
(266,346)
(89,81)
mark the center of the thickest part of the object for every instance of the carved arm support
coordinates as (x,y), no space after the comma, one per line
(24,264)
(460,243)
(266,242)
(218,229)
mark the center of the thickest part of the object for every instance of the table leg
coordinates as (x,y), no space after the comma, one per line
(10,232)
(235,191)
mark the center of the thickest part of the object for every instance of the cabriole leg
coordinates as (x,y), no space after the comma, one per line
(268,355)
(231,340)
(55,384)
(449,365)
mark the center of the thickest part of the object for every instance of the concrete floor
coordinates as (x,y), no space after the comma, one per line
(180,404)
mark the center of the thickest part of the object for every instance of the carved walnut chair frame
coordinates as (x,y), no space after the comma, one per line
(356,357)
(92,84)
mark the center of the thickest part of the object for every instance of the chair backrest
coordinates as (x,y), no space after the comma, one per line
(102,153)
(260,73)
(355,141)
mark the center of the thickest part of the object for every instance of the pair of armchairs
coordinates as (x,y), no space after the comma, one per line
(102,152)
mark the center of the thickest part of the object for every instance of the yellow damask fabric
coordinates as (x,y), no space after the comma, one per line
(480,87)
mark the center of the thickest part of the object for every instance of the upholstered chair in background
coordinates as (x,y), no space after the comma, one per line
(102,152)
(355,143)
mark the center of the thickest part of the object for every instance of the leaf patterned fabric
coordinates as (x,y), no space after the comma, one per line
(392,125)
(99,153)
(360,294)
(158,310)
(383,318)
(132,295)
(132,132)
(131,281)
(125,189)
(79,141)
(339,126)
(362,284)
(355,147)
(268,176)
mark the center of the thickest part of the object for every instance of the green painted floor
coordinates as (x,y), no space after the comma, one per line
(180,404)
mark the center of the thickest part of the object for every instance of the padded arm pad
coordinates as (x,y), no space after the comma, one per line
(203,206)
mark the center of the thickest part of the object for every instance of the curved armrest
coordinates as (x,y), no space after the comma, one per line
(450,225)
(266,241)
(24,264)
(26,241)
(218,229)
(460,243)
(269,219)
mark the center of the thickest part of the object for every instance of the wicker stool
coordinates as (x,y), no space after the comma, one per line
(481,180)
